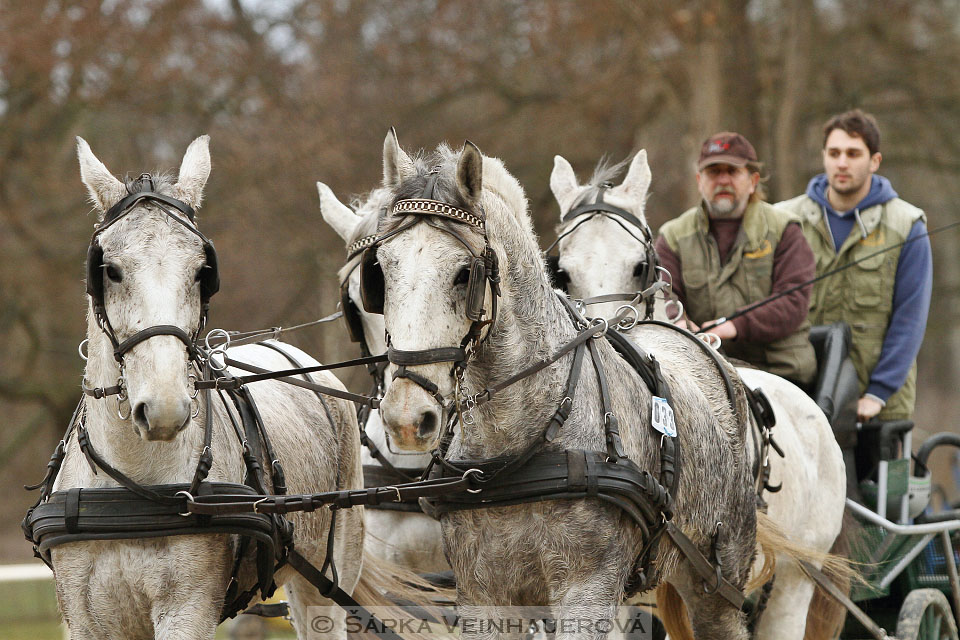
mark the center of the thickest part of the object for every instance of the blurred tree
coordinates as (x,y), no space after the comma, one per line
(298,91)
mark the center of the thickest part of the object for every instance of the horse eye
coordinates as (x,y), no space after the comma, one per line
(113,273)
(640,270)
(199,273)
(463,276)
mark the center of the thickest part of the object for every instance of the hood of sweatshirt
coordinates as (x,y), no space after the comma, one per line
(880,191)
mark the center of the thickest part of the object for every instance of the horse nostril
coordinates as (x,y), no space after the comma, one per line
(140,415)
(428,424)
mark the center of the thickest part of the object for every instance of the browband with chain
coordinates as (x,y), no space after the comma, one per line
(425,206)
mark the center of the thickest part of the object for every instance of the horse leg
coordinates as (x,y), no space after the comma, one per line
(188,623)
(785,617)
(712,617)
(313,616)
(587,611)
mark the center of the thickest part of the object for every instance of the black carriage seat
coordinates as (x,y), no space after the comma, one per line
(836,389)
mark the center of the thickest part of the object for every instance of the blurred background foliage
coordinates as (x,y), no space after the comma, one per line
(297,91)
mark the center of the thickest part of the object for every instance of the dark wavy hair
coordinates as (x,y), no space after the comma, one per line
(856,123)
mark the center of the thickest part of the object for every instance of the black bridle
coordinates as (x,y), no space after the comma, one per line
(141,191)
(585,211)
(484,271)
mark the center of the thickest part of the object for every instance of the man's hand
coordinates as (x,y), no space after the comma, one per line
(686,323)
(725,330)
(867,408)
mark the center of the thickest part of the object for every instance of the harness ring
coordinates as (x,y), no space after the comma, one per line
(627,323)
(189,498)
(466,474)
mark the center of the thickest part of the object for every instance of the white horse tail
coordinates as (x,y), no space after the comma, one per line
(673,613)
(826,615)
(394,590)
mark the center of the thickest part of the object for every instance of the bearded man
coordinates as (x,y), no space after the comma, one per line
(732,250)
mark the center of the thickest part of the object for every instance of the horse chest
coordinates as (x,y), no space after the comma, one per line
(121,589)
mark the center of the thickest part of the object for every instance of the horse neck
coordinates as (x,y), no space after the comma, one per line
(116,440)
(531,326)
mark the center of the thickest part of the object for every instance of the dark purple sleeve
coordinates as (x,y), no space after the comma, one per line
(793,264)
(671,262)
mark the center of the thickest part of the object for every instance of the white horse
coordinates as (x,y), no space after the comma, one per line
(606,254)
(409,538)
(575,555)
(156,272)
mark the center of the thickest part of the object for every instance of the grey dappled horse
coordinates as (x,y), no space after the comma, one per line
(604,254)
(153,270)
(576,555)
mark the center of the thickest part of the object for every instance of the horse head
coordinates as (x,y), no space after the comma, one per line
(150,275)
(435,278)
(356,226)
(604,241)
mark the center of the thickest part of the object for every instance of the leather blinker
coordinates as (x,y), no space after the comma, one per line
(559,277)
(476,289)
(371,282)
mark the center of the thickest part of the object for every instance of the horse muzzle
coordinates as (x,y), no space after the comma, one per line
(412,416)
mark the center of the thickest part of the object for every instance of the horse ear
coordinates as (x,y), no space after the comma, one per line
(397,165)
(470,172)
(194,171)
(563,181)
(339,216)
(638,177)
(105,190)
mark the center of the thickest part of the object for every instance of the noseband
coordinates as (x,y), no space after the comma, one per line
(142,190)
(587,211)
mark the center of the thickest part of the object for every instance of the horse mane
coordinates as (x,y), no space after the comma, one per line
(163,182)
(607,170)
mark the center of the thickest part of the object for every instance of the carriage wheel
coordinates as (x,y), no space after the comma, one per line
(926,615)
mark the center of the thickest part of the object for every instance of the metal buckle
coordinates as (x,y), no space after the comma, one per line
(121,397)
(399,498)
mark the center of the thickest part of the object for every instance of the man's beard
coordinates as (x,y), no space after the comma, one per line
(724,207)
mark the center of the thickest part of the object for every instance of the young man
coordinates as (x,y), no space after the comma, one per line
(849,213)
(734,249)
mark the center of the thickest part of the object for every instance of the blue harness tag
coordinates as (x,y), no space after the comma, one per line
(662,417)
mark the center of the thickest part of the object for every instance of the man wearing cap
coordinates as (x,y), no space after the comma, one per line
(850,215)
(734,249)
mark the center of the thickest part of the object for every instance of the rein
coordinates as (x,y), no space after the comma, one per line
(756,305)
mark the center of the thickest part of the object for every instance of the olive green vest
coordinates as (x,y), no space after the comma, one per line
(861,296)
(714,290)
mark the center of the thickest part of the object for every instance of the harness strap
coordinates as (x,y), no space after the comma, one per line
(707,571)
(329,589)
(610,425)
(156,330)
(427,356)
(714,356)
(411,491)
(284,376)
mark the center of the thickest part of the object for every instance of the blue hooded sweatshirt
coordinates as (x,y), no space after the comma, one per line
(911,290)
